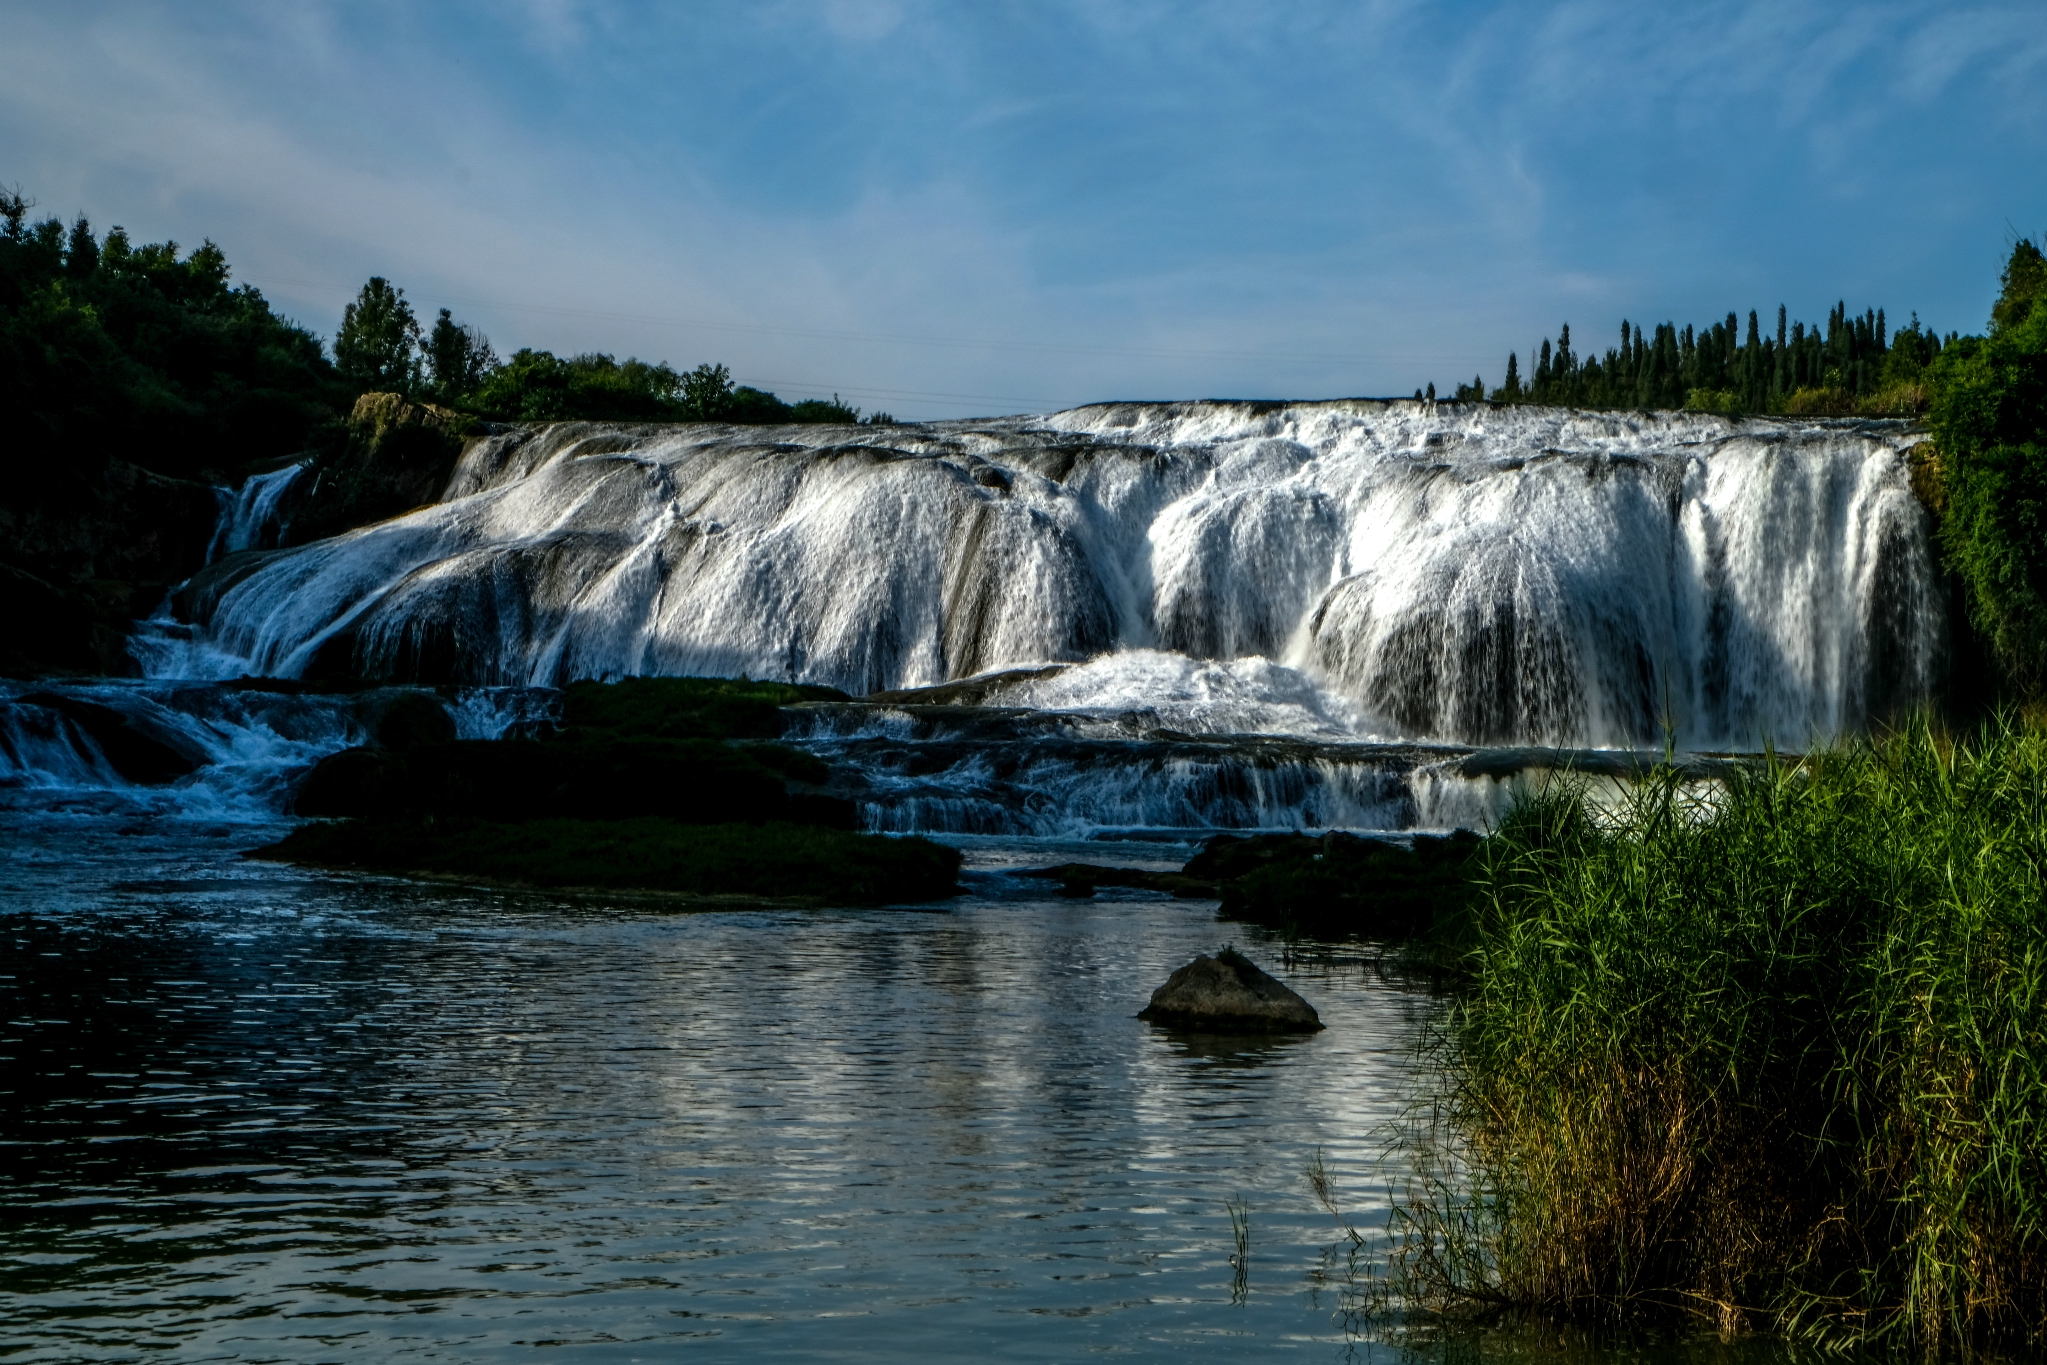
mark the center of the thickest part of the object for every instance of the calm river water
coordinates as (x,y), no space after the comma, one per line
(255,1113)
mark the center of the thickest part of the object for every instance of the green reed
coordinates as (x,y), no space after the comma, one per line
(1768,1050)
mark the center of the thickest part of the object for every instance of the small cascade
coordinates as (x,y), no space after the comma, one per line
(918,767)
(242,748)
(1414,572)
(249,515)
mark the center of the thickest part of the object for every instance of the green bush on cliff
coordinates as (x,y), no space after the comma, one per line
(1989,420)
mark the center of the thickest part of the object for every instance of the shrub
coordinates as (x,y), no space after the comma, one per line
(1774,1053)
(1713,400)
(1827,402)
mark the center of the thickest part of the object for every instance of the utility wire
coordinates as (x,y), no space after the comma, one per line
(900,339)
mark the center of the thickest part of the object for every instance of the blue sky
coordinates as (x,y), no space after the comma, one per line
(955,209)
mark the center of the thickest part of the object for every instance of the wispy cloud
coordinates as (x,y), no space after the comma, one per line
(1051,201)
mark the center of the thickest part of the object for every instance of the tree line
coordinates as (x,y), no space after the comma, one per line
(152,351)
(1852,365)
(382,347)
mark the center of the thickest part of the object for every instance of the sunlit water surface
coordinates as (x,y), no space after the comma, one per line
(258,1113)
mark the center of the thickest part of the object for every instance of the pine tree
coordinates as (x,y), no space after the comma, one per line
(82,253)
(460,357)
(378,344)
(1511,390)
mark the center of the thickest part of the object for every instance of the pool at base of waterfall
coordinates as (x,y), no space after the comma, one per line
(263,1113)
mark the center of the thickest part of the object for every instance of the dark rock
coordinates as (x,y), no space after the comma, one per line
(1341,885)
(1227,993)
(87,549)
(696,781)
(687,708)
(134,752)
(973,691)
(407,720)
(196,598)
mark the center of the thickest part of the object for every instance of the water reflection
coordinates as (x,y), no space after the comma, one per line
(268,1115)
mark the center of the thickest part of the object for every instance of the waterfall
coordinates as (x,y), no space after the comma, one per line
(249,514)
(1410,571)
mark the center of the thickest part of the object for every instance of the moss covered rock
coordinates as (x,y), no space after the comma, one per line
(1342,885)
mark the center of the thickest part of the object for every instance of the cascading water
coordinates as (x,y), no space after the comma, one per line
(240,749)
(249,514)
(1353,575)
(1445,572)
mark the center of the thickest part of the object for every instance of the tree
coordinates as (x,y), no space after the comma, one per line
(82,253)
(2025,280)
(707,393)
(377,347)
(459,356)
(1989,421)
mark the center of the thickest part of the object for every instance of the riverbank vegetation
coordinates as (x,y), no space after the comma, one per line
(659,784)
(1773,1052)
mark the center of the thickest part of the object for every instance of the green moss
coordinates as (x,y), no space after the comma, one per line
(1343,886)
(777,861)
(685,708)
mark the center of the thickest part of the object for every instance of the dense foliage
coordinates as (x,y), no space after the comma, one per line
(1989,469)
(1854,365)
(110,346)
(1773,1052)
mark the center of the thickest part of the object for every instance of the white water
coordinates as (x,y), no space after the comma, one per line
(1405,570)
(249,514)
(250,747)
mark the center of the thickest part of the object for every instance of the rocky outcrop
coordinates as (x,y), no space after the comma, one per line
(1228,993)
(397,455)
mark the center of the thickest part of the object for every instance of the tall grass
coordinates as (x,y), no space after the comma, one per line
(1770,1051)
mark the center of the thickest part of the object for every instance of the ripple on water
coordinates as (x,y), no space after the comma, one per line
(266,1114)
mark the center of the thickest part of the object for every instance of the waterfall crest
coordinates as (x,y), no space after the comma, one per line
(1436,572)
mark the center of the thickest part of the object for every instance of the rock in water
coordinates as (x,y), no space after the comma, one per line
(1227,993)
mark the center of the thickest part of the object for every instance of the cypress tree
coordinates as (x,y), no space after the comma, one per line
(82,253)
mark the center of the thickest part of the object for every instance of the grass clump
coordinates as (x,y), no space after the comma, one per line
(776,861)
(1771,1052)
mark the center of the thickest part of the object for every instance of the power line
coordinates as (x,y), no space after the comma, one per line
(899,339)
